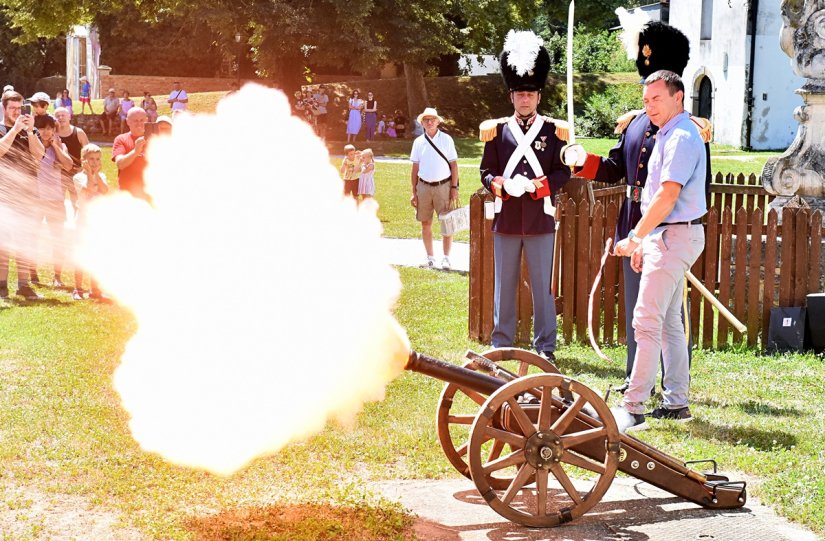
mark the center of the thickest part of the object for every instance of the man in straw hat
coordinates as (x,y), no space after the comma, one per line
(434,179)
(522,167)
(654,45)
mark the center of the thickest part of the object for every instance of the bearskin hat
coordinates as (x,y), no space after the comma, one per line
(662,47)
(525,62)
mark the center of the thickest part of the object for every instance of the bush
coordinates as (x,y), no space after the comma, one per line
(602,109)
(593,52)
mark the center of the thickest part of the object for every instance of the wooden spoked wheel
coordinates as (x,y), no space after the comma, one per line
(458,407)
(548,436)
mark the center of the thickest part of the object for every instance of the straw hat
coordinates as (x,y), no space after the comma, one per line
(429,111)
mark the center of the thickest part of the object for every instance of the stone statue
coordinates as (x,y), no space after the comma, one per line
(800,170)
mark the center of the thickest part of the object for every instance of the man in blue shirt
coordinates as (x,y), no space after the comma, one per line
(664,245)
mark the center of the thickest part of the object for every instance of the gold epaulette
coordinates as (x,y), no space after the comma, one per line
(705,127)
(487,130)
(562,128)
(624,121)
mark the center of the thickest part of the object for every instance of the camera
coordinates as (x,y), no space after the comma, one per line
(26,109)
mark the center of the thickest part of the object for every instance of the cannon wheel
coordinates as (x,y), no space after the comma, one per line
(455,441)
(549,445)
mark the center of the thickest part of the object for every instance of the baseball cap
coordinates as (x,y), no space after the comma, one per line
(164,118)
(40,97)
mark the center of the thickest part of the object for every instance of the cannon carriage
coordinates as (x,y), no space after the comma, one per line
(508,420)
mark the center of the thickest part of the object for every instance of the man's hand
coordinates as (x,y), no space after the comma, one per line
(20,124)
(636,259)
(529,187)
(514,187)
(453,194)
(140,145)
(625,247)
(573,155)
(414,201)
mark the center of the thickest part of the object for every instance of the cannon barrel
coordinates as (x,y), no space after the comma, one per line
(450,373)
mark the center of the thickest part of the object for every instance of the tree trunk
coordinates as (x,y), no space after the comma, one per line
(416,92)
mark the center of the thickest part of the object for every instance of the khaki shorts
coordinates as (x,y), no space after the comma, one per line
(431,198)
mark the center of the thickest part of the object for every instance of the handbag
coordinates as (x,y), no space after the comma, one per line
(455,220)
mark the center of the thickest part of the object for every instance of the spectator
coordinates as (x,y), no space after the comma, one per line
(127,153)
(90,182)
(177,98)
(40,108)
(382,126)
(400,123)
(321,100)
(66,101)
(110,119)
(58,99)
(51,192)
(355,104)
(434,180)
(75,139)
(20,155)
(126,103)
(164,125)
(366,181)
(370,115)
(391,133)
(150,106)
(85,95)
(351,171)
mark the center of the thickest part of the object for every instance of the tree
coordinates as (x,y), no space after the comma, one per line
(23,65)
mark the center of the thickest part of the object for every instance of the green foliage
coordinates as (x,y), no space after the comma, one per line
(23,64)
(593,51)
(602,109)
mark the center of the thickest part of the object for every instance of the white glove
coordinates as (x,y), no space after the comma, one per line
(529,187)
(514,186)
(573,155)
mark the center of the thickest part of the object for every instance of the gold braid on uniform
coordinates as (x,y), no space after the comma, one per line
(705,128)
(488,129)
(562,128)
(624,121)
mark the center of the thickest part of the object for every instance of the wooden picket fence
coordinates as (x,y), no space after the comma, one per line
(744,252)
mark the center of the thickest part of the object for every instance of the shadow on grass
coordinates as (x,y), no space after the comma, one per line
(761,440)
(753,407)
(307,521)
(572,365)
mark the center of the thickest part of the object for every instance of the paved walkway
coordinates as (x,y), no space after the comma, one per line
(631,510)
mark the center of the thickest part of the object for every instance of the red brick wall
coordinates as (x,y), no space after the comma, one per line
(137,84)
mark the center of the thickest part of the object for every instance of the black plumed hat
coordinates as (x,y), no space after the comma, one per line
(525,62)
(662,47)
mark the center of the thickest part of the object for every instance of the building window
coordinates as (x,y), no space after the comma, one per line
(707,19)
(704,104)
(83,57)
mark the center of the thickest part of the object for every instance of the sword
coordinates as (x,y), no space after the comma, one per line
(591,304)
(572,137)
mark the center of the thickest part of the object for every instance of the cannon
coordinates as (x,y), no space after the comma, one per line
(508,419)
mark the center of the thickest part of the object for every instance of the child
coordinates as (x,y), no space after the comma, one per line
(366,182)
(351,171)
(382,125)
(391,129)
(51,192)
(85,95)
(90,183)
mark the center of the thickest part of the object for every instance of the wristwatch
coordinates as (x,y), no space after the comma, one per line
(633,237)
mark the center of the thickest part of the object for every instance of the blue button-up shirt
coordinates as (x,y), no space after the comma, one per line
(679,156)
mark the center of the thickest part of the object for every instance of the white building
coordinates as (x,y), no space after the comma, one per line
(726,62)
(471,64)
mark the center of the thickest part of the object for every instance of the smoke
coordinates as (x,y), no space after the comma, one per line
(262,297)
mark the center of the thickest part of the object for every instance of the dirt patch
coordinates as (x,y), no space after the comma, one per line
(308,522)
(30,514)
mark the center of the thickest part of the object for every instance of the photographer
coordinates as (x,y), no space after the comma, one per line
(20,155)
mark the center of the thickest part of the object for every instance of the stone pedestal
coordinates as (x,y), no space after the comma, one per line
(800,170)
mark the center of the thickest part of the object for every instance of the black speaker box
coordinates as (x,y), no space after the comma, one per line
(787,330)
(816,321)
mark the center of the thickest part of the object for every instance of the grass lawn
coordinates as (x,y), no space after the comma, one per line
(65,442)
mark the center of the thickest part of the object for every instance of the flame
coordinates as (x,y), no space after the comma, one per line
(261,295)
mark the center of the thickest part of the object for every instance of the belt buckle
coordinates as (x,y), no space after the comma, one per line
(635,193)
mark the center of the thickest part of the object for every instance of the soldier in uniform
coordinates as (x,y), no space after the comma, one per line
(660,47)
(522,167)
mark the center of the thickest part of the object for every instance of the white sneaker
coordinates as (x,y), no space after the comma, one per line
(430,261)
(445,263)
